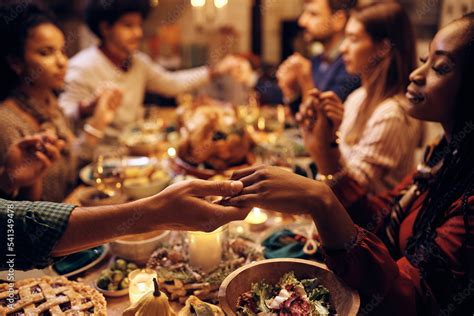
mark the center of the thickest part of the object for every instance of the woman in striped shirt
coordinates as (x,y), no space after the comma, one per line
(377,137)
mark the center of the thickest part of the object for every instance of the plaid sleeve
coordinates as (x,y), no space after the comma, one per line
(31,230)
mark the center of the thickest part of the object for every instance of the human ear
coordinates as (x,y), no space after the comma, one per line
(384,48)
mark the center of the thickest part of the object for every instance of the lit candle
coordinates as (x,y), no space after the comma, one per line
(261,123)
(256,219)
(205,249)
(141,283)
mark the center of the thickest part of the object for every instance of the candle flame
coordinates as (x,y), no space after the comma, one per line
(256,211)
(261,123)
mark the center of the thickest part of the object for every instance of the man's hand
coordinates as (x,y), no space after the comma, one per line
(294,76)
(184,207)
(106,104)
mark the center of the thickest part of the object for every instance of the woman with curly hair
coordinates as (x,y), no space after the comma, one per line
(410,252)
(33,65)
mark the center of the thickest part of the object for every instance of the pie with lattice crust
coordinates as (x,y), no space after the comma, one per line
(50,296)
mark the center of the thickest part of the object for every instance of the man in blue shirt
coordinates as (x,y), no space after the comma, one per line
(324,22)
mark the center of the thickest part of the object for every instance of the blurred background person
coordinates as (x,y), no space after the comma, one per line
(323,21)
(26,163)
(116,62)
(371,138)
(33,68)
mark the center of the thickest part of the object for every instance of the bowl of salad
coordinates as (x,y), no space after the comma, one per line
(286,287)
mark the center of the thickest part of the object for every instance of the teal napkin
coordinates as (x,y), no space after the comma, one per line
(286,244)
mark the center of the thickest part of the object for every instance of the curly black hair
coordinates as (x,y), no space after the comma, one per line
(110,11)
(17,18)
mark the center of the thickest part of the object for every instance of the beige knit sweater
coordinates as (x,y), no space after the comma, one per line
(61,177)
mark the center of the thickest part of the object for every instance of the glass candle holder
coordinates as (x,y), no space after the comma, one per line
(256,219)
(141,283)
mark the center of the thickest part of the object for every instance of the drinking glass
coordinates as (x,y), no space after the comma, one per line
(108,169)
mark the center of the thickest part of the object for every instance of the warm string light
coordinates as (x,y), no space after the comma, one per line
(220,3)
(217,3)
(198,3)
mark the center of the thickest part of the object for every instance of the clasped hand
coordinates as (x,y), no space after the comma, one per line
(319,118)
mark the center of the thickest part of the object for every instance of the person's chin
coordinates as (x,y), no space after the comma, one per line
(132,48)
(57,85)
(308,37)
(349,68)
(417,110)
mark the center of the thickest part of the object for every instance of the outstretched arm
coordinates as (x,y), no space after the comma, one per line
(179,207)
(41,231)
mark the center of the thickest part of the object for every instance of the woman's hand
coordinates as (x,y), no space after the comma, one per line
(315,126)
(333,108)
(320,117)
(28,160)
(319,130)
(183,206)
(276,189)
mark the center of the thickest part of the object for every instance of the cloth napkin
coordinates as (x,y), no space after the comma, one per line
(286,244)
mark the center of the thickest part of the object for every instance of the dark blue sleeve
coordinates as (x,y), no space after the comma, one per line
(343,84)
(269,91)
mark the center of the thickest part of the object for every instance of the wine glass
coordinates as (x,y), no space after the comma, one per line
(272,119)
(278,152)
(108,170)
(250,112)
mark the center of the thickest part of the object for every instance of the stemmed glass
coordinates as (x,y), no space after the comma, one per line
(108,169)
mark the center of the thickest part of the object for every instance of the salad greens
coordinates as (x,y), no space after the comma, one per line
(288,297)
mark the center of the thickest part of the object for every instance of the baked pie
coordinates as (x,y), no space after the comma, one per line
(53,296)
